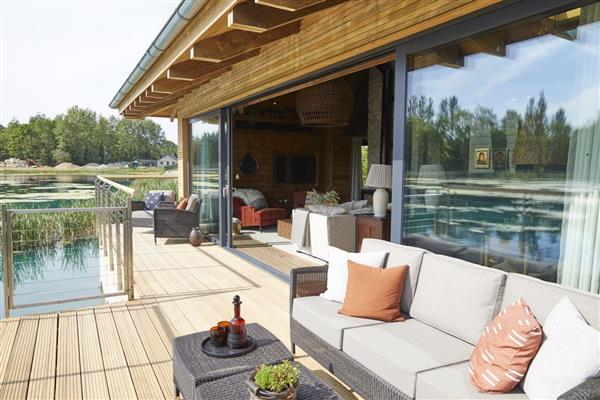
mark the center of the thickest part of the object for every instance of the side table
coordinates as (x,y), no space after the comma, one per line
(233,387)
(191,367)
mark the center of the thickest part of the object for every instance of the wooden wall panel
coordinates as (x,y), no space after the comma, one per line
(263,145)
(326,38)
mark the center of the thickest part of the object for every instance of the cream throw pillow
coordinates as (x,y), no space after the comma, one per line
(569,355)
(337,273)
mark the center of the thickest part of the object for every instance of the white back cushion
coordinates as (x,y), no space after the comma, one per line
(542,296)
(456,296)
(399,255)
(337,273)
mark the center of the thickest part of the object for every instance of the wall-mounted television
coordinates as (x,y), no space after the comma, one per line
(291,168)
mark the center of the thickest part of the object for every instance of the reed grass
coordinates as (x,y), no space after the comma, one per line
(142,186)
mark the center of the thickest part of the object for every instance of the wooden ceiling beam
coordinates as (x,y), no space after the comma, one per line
(191,70)
(493,44)
(252,17)
(236,42)
(288,5)
(167,86)
(449,56)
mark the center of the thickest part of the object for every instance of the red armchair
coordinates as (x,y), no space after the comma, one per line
(250,216)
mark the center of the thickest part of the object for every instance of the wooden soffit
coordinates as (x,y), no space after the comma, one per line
(223,34)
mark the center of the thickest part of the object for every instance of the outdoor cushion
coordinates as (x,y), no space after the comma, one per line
(454,382)
(397,351)
(151,200)
(374,292)
(569,356)
(399,255)
(543,296)
(505,349)
(337,273)
(192,202)
(321,317)
(456,296)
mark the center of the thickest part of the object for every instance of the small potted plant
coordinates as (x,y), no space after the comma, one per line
(274,382)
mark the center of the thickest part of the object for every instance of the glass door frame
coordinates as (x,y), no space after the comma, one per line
(460,29)
(224,234)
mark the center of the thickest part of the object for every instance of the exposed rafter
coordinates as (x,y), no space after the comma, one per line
(236,42)
(192,69)
(288,5)
(252,17)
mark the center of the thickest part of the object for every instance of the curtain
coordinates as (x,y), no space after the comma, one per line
(579,263)
(357,176)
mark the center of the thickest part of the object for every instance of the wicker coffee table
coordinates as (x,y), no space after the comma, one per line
(191,367)
(233,387)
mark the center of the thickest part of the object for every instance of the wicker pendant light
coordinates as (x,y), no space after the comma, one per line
(328,104)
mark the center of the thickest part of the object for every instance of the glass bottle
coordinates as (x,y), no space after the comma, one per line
(237,337)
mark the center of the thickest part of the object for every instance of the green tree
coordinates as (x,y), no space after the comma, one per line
(42,130)
(76,135)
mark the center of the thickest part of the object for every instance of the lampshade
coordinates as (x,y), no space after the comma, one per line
(380,176)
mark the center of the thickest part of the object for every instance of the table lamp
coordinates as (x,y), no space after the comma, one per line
(380,177)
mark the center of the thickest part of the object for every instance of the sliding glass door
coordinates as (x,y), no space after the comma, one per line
(204,171)
(502,148)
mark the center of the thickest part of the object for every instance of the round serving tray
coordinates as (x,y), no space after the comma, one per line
(210,349)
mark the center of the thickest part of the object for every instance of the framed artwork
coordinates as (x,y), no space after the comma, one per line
(482,158)
(501,159)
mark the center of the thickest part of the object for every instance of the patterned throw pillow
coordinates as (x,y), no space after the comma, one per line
(151,200)
(505,349)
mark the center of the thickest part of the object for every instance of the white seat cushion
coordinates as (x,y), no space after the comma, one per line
(320,316)
(398,351)
(399,255)
(457,296)
(454,382)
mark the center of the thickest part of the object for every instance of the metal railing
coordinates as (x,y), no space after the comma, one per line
(28,235)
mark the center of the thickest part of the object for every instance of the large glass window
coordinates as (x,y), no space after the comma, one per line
(503,149)
(205,170)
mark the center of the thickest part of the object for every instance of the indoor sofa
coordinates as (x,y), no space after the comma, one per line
(449,301)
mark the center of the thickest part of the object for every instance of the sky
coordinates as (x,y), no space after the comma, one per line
(56,54)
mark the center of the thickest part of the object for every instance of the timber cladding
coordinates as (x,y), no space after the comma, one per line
(331,147)
(339,33)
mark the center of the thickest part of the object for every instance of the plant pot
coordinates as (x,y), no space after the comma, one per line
(196,237)
(257,393)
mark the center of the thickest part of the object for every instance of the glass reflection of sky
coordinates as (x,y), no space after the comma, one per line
(548,63)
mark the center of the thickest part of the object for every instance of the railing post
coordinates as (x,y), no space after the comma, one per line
(7,261)
(119,261)
(128,236)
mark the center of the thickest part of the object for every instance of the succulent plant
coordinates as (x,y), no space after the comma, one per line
(278,377)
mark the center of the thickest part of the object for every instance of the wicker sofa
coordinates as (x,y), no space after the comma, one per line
(450,301)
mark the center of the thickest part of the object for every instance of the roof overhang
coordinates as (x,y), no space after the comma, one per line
(202,40)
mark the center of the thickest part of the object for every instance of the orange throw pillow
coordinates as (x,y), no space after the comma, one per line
(374,293)
(182,204)
(505,349)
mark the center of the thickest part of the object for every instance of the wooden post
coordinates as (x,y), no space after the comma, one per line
(7,260)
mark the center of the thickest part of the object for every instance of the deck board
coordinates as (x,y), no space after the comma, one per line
(68,371)
(16,377)
(93,378)
(123,350)
(43,370)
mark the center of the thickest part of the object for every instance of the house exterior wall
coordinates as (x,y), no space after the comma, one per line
(326,38)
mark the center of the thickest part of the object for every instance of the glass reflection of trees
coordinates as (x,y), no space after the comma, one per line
(489,211)
(542,142)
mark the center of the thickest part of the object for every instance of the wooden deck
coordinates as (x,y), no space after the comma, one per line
(123,350)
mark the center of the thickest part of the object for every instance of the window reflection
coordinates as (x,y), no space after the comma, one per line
(205,171)
(503,149)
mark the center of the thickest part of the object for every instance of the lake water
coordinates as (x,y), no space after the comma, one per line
(60,272)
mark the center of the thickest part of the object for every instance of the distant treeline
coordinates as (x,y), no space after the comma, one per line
(81,136)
